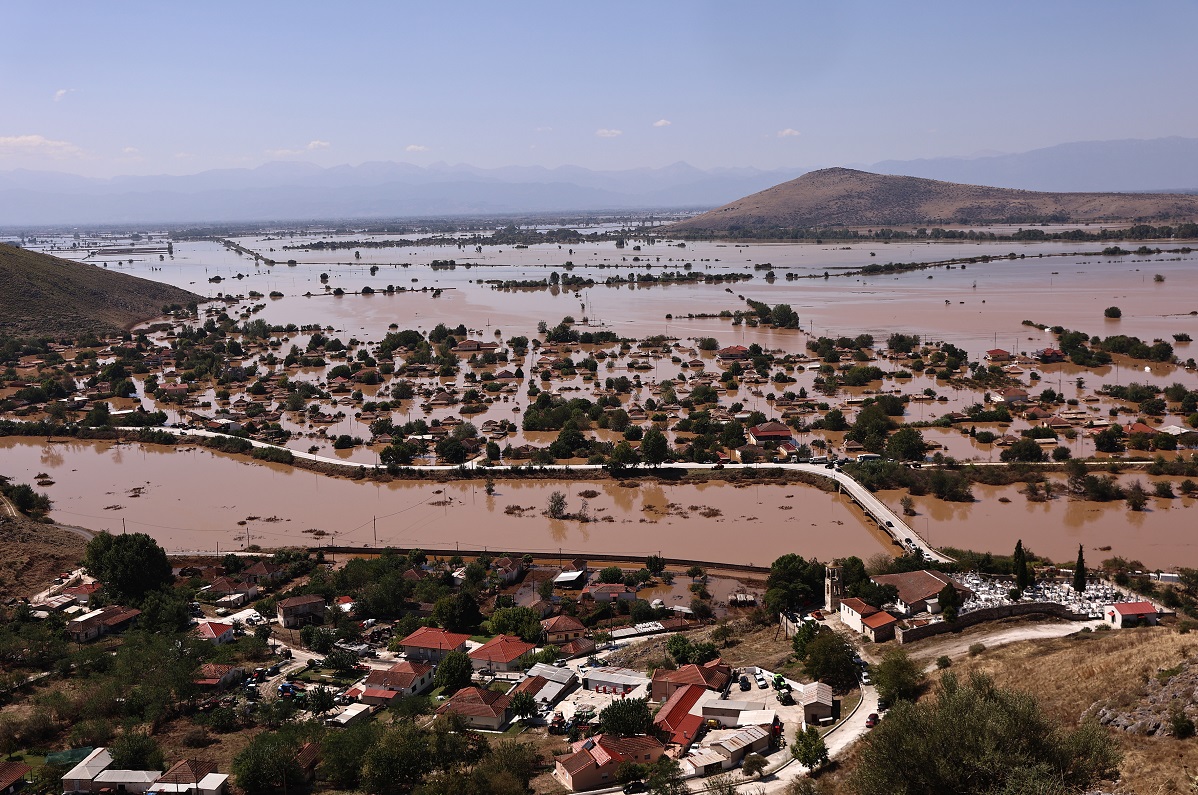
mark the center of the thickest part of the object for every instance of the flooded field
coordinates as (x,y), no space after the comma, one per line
(196,500)
(975,307)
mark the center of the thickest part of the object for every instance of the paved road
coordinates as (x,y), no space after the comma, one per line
(958,645)
(887,519)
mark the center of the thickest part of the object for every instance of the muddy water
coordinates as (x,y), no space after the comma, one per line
(1162,536)
(195,499)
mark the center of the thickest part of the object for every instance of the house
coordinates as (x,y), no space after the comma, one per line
(727,749)
(547,683)
(192,777)
(1011,396)
(769,432)
(500,653)
(998,355)
(1131,614)
(577,648)
(752,454)
(307,758)
(431,644)
(263,573)
(404,678)
(83,593)
(562,629)
(733,353)
(609,592)
(351,715)
(853,610)
(481,709)
(215,632)
(137,782)
(1048,355)
(82,776)
(610,679)
(816,700)
(571,579)
(296,611)
(676,721)
(917,590)
(13,776)
(219,675)
(879,627)
(508,569)
(714,675)
(592,762)
(104,621)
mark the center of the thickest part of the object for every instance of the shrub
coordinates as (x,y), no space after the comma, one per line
(976,648)
(943,662)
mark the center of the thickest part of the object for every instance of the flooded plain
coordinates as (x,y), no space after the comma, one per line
(975,306)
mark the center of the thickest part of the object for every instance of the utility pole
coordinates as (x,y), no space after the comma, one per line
(123,525)
(375,522)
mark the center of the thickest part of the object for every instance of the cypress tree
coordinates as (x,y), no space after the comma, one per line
(1079,571)
(1022,580)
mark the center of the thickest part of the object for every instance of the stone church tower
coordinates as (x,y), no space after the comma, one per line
(833,588)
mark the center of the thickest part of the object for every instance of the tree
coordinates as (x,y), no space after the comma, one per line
(680,648)
(1137,497)
(1112,312)
(809,749)
(1023,577)
(136,751)
(802,638)
(623,455)
(664,777)
(1023,450)
(975,738)
(320,700)
(130,565)
(626,717)
(457,612)
(654,447)
(522,621)
(611,575)
(454,672)
(342,752)
(655,564)
(897,677)
(556,507)
(830,660)
(1079,571)
(523,704)
(628,772)
(753,766)
(399,761)
(906,444)
(268,763)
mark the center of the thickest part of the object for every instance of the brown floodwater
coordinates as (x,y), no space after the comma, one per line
(975,307)
(193,499)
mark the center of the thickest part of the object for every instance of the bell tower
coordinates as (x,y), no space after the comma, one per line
(833,588)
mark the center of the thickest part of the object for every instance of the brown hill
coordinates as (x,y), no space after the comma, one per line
(844,197)
(52,297)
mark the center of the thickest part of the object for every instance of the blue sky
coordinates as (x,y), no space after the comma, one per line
(144,88)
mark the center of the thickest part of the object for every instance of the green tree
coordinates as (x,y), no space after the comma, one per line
(906,444)
(897,677)
(680,648)
(628,772)
(664,777)
(1023,577)
(1136,496)
(654,447)
(556,508)
(342,752)
(753,766)
(623,455)
(523,704)
(454,672)
(398,761)
(809,749)
(1023,450)
(130,565)
(655,564)
(133,750)
(802,638)
(626,717)
(320,700)
(457,612)
(1079,571)
(267,764)
(975,738)
(830,660)
(522,621)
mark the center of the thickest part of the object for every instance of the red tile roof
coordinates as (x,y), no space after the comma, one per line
(477,703)
(502,649)
(878,619)
(858,606)
(562,624)
(434,638)
(399,676)
(1135,608)
(713,675)
(12,772)
(674,717)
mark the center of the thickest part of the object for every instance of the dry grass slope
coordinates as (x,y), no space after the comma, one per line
(48,296)
(34,554)
(845,197)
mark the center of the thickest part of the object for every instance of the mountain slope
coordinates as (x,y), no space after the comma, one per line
(48,296)
(844,197)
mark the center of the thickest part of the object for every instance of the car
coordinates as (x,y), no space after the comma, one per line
(865,678)
(745,684)
(883,704)
(761,683)
(872,720)
(634,786)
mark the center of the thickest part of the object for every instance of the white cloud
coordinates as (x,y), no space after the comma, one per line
(184,155)
(662,123)
(131,150)
(282,152)
(605,133)
(37,146)
(318,144)
(415,148)
(62,92)
(788,133)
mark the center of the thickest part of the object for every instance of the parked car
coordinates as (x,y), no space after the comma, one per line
(744,683)
(761,683)
(865,678)
(634,786)
(872,720)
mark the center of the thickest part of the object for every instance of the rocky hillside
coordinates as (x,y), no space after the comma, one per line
(845,197)
(52,297)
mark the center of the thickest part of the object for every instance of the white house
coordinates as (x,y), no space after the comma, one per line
(1131,614)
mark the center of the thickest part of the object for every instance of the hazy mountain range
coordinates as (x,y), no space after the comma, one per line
(296,190)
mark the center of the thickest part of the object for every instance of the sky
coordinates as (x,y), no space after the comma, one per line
(103,89)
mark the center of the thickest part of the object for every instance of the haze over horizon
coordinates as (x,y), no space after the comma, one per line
(144,89)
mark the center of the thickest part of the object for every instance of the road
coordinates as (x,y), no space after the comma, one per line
(958,645)
(887,519)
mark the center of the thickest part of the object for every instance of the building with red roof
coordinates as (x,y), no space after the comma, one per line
(714,675)
(215,632)
(431,644)
(481,709)
(1132,614)
(593,761)
(405,678)
(500,653)
(562,629)
(675,721)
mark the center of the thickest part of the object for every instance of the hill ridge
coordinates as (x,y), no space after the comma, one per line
(850,197)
